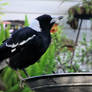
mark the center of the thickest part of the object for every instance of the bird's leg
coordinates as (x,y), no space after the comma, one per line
(21,84)
(26,73)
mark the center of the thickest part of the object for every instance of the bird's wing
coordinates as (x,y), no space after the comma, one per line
(21,37)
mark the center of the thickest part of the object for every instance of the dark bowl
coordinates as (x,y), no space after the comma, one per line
(72,82)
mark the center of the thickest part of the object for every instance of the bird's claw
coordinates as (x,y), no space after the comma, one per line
(22,83)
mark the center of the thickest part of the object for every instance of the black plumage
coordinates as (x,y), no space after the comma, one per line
(31,51)
(27,45)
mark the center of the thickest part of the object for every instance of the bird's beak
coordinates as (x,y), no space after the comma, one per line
(56,21)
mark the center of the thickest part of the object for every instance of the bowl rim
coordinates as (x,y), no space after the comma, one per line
(58,75)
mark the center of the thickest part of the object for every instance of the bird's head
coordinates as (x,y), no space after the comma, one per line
(48,22)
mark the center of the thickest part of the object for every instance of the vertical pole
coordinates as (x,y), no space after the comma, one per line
(79,29)
(76,41)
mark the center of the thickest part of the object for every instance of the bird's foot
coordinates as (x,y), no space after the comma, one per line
(22,80)
(22,83)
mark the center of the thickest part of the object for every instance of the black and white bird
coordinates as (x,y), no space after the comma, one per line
(27,45)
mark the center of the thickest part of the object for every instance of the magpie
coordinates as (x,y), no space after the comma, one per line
(26,45)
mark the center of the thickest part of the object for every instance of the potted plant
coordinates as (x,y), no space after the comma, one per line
(79,11)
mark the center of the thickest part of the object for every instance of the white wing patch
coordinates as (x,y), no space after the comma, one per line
(21,43)
(25,41)
(13,50)
(11,45)
(35,25)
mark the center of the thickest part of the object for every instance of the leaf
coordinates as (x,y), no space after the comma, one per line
(3,4)
(2,33)
(27,89)
(7,33)
(15,88)
(26,21)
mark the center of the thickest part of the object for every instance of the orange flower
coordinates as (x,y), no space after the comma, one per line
(54,28)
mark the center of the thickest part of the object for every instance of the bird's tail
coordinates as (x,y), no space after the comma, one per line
(4,53)
(3,64)
(4,56)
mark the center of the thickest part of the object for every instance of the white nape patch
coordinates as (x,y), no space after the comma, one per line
(21,43)
(13,50)
(35,25)
(25,41)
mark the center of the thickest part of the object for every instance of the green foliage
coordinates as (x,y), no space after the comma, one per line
(4,33)
(2,4)
(79,11)
(82,60)
(26,21)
